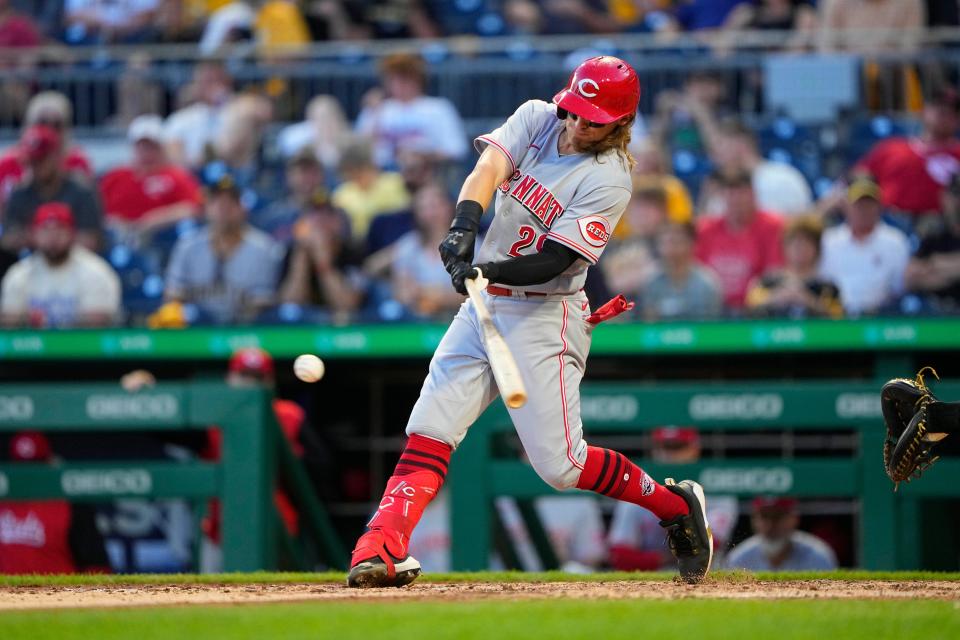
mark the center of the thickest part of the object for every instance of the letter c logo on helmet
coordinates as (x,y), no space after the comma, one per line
(602,90)
(589,83)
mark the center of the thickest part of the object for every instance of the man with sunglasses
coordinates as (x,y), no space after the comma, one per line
(52,110)
(561,175)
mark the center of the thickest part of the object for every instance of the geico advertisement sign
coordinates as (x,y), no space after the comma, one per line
(747,480)
(113,482)
(132,407)
(858,405)
(15,408)
(608,408)
(739,406)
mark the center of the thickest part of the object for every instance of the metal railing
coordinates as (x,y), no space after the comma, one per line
(485,78)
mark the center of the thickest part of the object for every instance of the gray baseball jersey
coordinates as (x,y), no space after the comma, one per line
(574,199)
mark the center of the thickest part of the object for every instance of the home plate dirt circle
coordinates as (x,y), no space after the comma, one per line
(24,598)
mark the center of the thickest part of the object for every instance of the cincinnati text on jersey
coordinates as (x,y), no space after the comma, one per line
(534,197)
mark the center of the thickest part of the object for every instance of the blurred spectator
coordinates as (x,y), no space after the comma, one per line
(150,194)
(367,191)
(239,137)
(417,170)
(47,14)
(574,17)
(139,92)
(743,242)
(870,26)
(797,16)
(935,269)
(652,168)
(47,536)
(53,110)
(90,22)
(280,26)
(304,181)
(779,187)
(912,172)
(676,122)
(17,30)
(681,288)
(865,257)
(776,545)
(697,15)
(391,19)
(324,131)
(420,282)
(636,539)
(190,129)
(232,23)
(408,119)
(228,269)
(322,268)
(273,25)
(49,181)
(60,284)
(797,290)
(631,258)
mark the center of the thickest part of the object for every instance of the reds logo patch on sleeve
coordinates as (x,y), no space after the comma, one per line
(595,230)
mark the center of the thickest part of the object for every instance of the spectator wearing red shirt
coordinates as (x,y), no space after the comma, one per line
(16,29)
(47,536)
(742,243)
(151,193)
(51,109)
(912,172)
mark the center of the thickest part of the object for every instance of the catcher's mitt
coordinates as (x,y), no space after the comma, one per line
(916,422)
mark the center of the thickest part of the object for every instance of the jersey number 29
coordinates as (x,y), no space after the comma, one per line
(528,235)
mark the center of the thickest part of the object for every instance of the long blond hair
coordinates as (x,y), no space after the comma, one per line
(617,139)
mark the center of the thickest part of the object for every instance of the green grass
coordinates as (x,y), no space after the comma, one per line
(486,576)
(502,620)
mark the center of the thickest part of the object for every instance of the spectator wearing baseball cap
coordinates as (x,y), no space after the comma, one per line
(49,181)
(864,256)
(47,536)
(305,178)
(61,284)
(50,109)
(776,544)
(913,172)
(227,268)
(151,193)
(636,537)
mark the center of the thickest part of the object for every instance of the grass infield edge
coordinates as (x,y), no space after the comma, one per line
(93,580)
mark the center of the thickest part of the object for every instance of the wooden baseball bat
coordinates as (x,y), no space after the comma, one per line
(504,367)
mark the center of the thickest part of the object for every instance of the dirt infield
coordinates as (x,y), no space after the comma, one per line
(22,598)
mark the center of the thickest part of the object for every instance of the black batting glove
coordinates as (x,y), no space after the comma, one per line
(458,245)
(459,272)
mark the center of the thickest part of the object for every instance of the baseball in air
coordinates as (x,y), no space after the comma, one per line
(308,367)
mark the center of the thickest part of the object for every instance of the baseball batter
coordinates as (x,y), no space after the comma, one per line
(561,174)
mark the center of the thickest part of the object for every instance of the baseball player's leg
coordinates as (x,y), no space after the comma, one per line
(458,388)
(550,429)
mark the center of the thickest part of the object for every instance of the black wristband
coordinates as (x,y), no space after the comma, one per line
(467,216)
(490,270)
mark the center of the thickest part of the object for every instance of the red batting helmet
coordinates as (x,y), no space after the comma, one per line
(252,361)
(602,90)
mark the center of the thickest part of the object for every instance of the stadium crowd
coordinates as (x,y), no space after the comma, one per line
(202,226)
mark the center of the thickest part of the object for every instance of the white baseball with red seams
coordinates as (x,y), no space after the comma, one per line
(575,200)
